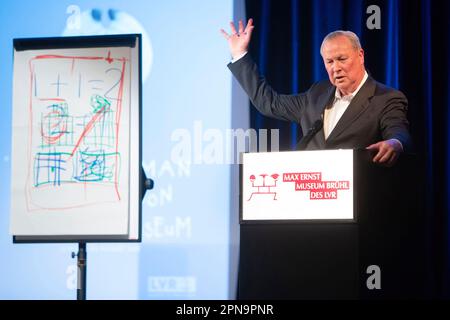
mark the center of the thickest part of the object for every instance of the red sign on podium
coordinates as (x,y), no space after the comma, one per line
(298,185)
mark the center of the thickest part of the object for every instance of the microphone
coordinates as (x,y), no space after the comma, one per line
(317,125)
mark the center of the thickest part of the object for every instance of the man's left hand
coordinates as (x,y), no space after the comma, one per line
(388,152)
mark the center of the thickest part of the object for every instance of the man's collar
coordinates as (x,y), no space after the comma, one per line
(337,94)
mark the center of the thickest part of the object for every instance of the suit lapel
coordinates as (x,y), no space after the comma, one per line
(355,109)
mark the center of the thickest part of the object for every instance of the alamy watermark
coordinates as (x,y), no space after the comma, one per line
(374,20)
(74,19)
(373,282)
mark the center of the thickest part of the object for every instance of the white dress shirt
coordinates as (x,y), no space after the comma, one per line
(334,112)
(238,57)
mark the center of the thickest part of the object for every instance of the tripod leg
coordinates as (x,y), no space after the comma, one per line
(81,262)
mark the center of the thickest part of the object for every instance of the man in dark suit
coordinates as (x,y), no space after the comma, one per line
(355,110)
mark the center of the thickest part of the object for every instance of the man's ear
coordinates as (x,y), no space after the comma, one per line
(361,56)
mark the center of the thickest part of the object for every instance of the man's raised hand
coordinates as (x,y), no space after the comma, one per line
(238,41)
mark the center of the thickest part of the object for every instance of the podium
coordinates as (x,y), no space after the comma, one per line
(330,225)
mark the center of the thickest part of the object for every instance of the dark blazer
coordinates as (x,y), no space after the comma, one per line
(376,113)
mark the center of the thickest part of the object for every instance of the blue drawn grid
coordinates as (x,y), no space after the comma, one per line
(94,166)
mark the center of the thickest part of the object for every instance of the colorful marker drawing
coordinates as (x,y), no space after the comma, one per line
(264,188)
(76,127)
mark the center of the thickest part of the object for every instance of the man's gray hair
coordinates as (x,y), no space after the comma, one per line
(354,40)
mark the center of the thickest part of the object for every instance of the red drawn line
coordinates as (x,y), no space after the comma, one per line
(88,128)
(49,56)
(53,99)
(68,183)
(30,135)
(53,139)
(107,58)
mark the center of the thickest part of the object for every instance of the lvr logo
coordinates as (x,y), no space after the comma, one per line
(264,187)
(374,280)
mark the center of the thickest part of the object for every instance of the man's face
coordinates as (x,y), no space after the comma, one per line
(344,64)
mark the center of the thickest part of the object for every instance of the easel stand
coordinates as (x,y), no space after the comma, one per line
(81,270)
(125,222)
